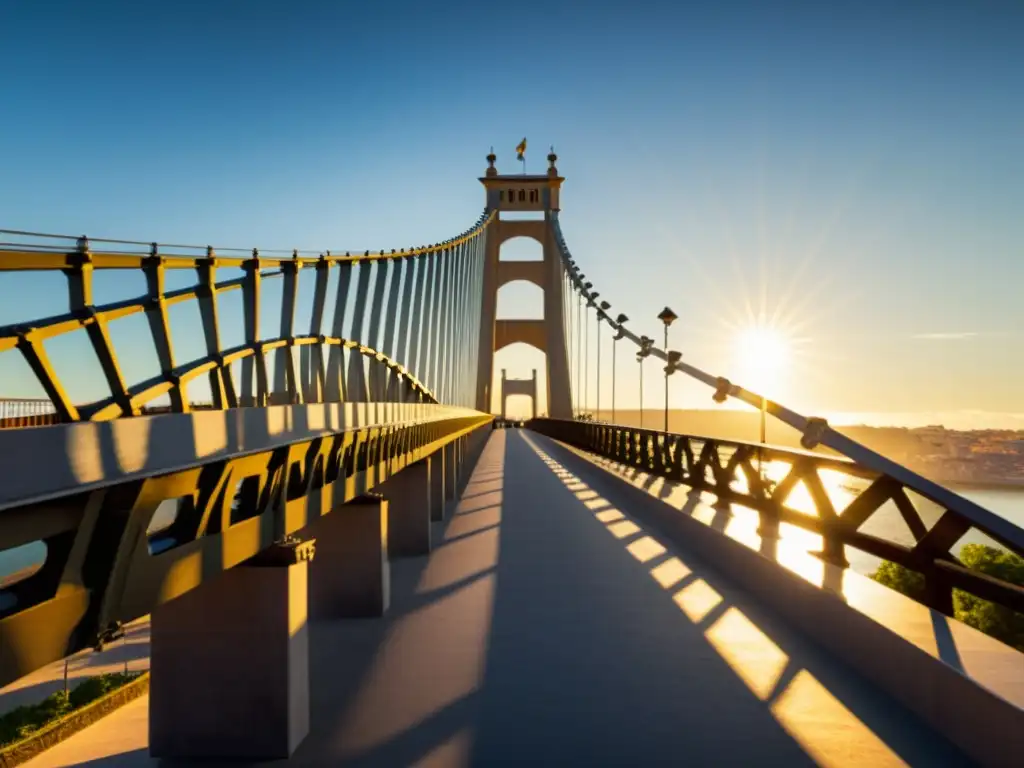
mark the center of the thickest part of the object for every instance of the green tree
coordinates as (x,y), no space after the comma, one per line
(992,619)
(998,621)
(903,580)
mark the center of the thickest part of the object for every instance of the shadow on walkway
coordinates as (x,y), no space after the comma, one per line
(837,717)
(547,628)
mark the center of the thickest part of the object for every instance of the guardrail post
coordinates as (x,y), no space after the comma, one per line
(230,673)
(351,576)
(408,494)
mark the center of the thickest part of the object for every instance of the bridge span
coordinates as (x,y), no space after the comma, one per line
(549,626)
(337,559)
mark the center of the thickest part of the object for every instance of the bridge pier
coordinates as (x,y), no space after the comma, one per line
(408,495)
(351,576)
(230,671)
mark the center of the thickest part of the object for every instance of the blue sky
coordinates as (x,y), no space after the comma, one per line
(855,170)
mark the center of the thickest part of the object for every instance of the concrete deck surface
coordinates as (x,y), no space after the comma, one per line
(547,628)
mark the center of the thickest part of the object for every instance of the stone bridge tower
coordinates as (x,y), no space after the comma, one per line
(521,192)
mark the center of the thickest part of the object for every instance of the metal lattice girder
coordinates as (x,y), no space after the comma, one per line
(336,370)
(402,349)
(672,456)
(434,323)
(387,343)
(316,379)
(415,327)
(254,367)
(286,379)
(79,274)
(241,479)
(375,330)
(312,363)
(150,390)
(159,322)
(356,378)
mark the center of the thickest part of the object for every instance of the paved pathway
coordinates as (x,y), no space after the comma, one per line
(547,628)
(131,652)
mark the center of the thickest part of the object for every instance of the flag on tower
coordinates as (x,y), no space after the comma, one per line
(521,150)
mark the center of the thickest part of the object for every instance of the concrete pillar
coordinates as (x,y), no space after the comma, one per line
(408,496)
(437,489)
(230,663)
(351,576)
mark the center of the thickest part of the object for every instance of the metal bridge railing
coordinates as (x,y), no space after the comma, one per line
(26,412)
(361,354)
(669,454)
(299,419)
(733,472)
(133,512)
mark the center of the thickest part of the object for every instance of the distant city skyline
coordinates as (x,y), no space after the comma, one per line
(851,178)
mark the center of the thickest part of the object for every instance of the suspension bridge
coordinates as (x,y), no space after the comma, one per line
(337,559)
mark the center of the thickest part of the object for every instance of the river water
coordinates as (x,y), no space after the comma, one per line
(1005,503)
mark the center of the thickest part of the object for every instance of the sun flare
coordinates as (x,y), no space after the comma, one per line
(762,356)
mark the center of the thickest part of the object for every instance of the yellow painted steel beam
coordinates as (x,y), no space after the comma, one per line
(282,491)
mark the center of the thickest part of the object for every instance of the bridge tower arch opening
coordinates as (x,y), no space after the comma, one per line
(517,193)
(514,387)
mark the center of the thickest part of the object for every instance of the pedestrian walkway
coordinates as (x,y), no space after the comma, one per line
(130,653)
(547,628)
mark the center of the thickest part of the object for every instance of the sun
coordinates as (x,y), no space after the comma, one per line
(762,357)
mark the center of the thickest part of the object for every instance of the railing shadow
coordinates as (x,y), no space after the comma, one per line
(400,689)
(811,696)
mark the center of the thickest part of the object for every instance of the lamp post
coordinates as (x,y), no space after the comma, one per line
(640,359)
(645,349)
(620,335)
(667,317)
(602,309)
(586,343)
(585,385)
(579,340)
(570,347)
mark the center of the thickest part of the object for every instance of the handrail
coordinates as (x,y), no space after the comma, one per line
(19,256)
(688,459)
